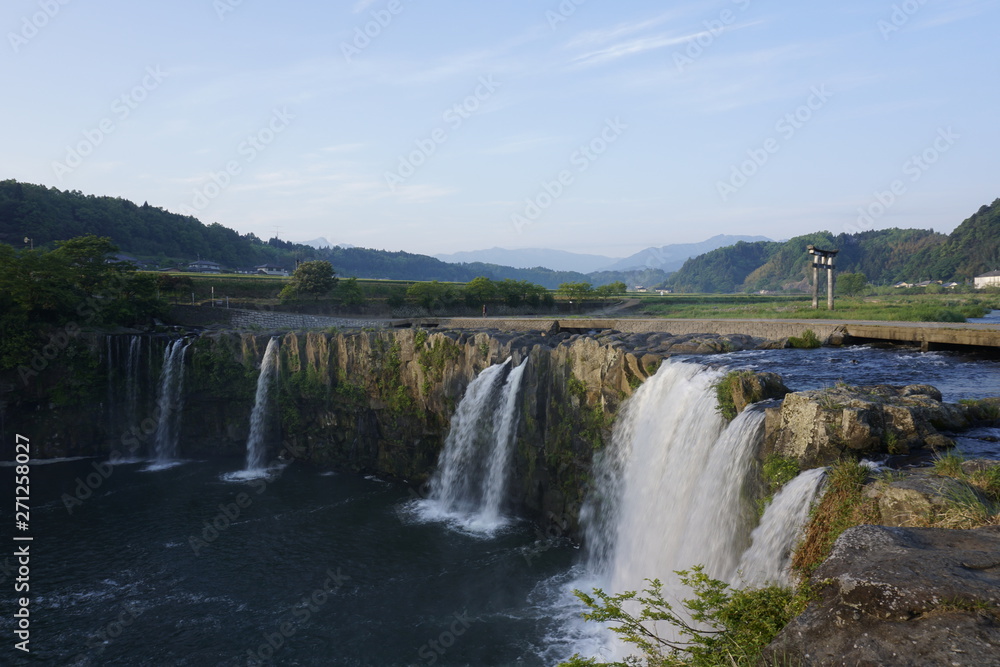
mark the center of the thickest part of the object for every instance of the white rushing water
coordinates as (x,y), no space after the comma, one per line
(768,559)
(169,401)
(473,469)
(123,358)
(675,489)
(256,446)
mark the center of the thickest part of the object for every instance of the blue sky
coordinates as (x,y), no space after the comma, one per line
(583,125)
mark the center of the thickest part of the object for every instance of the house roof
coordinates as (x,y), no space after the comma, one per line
(991,274)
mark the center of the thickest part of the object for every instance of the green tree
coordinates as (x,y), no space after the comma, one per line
(851,284)
(314,278)
(576,290)
(480,290)
(350,293)
(430,295)
(617,288)
(719,626)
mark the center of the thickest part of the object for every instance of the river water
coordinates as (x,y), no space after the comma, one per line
(178,566)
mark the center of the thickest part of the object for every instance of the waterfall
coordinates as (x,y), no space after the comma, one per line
(499,463)
(169,401)
(768,558)
(256,447)
(671,491)
(132,380)
(123,356)
(473,468)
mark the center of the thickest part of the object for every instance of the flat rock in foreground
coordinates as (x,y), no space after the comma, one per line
(901,596)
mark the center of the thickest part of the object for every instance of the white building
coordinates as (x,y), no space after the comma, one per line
(991,279)
(204,266)
(271,270)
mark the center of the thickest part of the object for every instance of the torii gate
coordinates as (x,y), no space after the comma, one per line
(822,259)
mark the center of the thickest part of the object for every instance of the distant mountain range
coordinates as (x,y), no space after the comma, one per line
(529,258)
(160,238)
(665,258)
(321,243)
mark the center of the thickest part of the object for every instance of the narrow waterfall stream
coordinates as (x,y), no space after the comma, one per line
(256,445)
(768,559)
(473,469)
(169,401)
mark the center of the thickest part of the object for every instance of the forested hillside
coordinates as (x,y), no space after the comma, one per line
(161,238)
(884,256)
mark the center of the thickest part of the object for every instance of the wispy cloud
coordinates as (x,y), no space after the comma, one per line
(957,11)
(417,194)
(515,145)
(592,38)
(632,47)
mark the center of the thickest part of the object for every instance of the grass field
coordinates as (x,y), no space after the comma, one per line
(891,307)
(900,307)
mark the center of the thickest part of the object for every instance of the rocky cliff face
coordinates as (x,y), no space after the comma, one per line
(818,427)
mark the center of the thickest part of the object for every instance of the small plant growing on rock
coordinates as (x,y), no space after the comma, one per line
(728,385)
(807,340)
(949,464)
(843,506)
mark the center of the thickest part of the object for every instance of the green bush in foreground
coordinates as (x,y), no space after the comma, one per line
(720,625)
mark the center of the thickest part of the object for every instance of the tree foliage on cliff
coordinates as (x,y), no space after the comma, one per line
(75,284)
